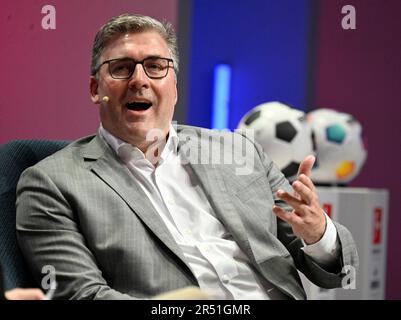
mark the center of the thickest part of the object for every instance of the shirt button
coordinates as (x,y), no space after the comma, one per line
(225,278)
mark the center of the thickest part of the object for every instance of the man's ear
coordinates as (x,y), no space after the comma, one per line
(176,93)
(93,86)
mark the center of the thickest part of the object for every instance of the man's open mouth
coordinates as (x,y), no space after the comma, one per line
(138,106)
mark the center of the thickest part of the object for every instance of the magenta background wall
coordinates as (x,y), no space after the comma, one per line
(45,73)
(359,72)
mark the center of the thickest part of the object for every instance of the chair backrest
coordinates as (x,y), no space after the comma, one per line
(15,157)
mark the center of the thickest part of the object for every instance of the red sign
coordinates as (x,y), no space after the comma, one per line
(327,207)
(377,227)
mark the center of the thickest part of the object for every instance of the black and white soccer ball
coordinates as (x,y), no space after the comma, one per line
(283,133)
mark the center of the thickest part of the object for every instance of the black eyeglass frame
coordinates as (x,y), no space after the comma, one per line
(135,64)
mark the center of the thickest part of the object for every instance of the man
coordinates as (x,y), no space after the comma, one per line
(144,207)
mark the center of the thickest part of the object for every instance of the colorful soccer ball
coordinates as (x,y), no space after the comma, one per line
(340,150)
(283,133)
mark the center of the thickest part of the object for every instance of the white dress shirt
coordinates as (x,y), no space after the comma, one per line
(219,265)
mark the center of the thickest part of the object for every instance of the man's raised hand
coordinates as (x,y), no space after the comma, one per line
(307,217)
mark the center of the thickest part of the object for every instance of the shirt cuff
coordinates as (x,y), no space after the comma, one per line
(327,250)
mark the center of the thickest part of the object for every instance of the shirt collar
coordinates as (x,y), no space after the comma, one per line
(128,152)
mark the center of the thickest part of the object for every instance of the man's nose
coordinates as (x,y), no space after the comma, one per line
(139,79)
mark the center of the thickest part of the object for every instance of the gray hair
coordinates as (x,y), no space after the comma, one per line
(133,23)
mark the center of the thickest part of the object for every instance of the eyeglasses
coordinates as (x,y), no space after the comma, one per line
(123,68)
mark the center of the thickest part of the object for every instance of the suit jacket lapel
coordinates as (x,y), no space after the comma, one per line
(106,165)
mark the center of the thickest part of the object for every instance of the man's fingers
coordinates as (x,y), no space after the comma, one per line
(24,294)
(307,181)
(187,293)
(281,213)
(289,217)
(303,191)
(294,202)
(306,166)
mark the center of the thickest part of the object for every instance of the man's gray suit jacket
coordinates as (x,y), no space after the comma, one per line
(81,212)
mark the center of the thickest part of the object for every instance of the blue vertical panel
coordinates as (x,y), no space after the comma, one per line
(266,44)
(221,96)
